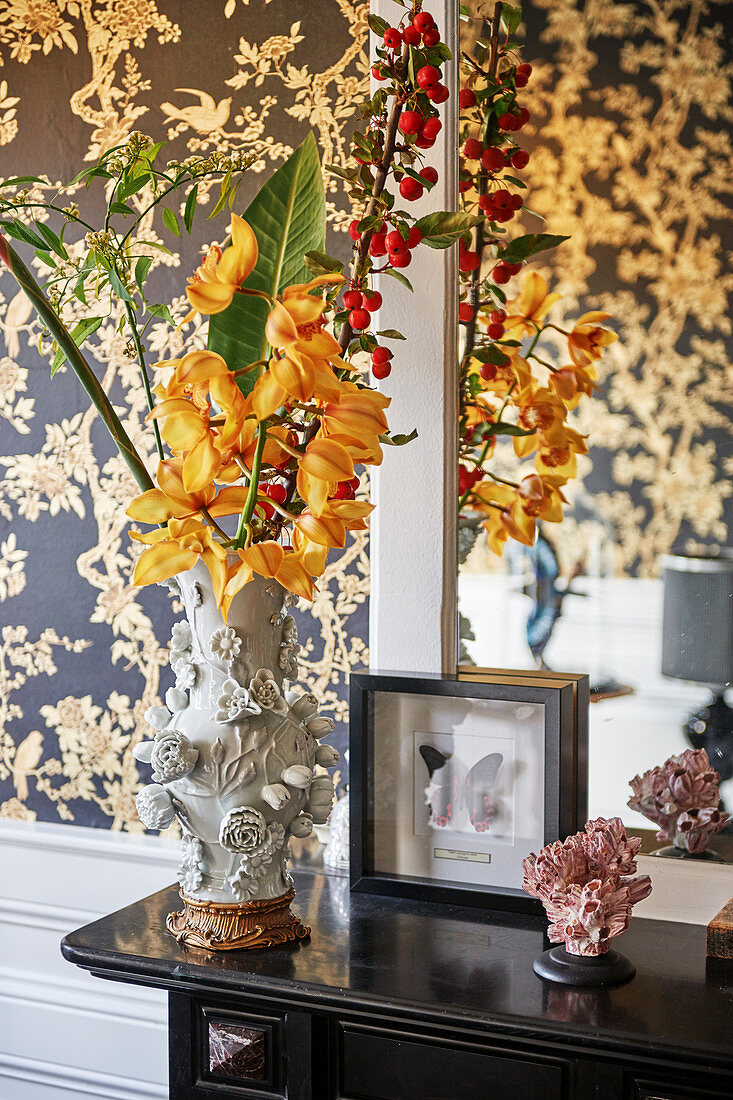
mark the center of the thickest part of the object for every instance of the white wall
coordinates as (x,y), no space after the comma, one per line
(64,1034)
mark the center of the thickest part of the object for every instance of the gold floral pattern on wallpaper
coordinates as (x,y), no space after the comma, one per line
(632,101)
(67,755)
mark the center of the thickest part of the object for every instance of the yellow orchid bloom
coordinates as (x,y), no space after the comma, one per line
(171,500)
(571,383)
(556,456)
(221,274)
(540,499)
(539,410)
(588,339)
(269,559)
(178,547)
(297,321)
(295,373)
(325,462)
(530,307)
(325,530)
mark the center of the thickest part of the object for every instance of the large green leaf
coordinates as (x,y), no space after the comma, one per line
(288,216)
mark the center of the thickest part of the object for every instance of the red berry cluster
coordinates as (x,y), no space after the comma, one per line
(411,57)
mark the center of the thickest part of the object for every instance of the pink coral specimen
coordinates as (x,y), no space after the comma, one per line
(681,798)
(585,883)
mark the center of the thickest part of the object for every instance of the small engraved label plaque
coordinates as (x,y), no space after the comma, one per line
(236,1052)
(456,853)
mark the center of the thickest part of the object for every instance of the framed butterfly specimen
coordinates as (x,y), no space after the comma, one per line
(454,780)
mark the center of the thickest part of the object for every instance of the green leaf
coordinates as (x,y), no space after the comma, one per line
(319,263)
(288,217)
(130,185)
(52,239)
(171,221)
(190,207)
(377,24)
(21,232)
(15,180)
(504,428)
(446,224)
(398,276)
(142,267)
(391,334)
(80,332)
(121,208)
(510,18)
(529,245)
(398,440)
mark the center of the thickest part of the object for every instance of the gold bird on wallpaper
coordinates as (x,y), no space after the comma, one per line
(15,321)
(204,118)
(27,757)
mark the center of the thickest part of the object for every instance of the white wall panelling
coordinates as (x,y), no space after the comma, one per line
(412,622)
(63,1033)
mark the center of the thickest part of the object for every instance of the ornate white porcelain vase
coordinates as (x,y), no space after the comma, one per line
(234,759)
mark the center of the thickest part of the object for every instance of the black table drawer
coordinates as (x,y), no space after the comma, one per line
(388,1065)
(694,1089)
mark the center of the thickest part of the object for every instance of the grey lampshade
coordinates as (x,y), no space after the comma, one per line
(697,625)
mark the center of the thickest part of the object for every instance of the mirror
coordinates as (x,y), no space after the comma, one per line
(627,157)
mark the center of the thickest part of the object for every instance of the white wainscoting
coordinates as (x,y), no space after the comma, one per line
(64,1034)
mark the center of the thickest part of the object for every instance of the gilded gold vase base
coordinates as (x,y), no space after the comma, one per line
(235,927)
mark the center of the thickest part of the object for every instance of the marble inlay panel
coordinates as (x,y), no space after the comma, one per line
(236,1051)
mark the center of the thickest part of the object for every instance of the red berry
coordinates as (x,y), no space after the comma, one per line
(429,174)
(497,316)
(411,35)
(353,230)
(463,186)
(267,510)
(495,331)
(352,299)
(492,159)
(372,301)
(520,79)
(513,269)
(392,39)
(501,273)
(415,237)
(411,122)
(423,21)
(424,143)
(277,492)
(502,199)
(377,247)
(378,72)
(432,128)
(469,261)
(465,312)
(520,159)
(488,372)
(344,491)
(381,370)
(472,149)
(395,241)
(438,94)
(400,259)
(486,203)
(381,355)
(525,69)
(524,117)
(410,189)
(359,319)
(431,37)
(427,77)
(466,98)
(506,121)
(516,202)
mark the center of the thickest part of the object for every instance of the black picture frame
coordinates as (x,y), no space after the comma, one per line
(563,797)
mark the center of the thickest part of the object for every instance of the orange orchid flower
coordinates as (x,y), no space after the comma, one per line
(221,274)
(171,500)
(297,321)
(178,547)
(588,339)
(571,383)
(530,307)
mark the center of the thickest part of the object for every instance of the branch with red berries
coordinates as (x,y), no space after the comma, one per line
(402,124)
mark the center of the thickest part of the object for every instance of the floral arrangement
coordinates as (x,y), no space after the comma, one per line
(588,885)
(260,435)
(509,384)
(681,797)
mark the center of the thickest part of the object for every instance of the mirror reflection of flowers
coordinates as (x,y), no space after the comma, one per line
(511,384)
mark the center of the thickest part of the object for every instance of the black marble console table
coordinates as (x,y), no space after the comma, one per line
(399,1000)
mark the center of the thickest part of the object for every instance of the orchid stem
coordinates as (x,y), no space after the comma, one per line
(144,375)
(244,530)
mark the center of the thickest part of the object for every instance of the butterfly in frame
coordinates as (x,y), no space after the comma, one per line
(452,790)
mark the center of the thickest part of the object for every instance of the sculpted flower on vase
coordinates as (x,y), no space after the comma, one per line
(234,703)
(173,756)
(327,756)
(297,775)
(320,727)
(176,700)
(186,674)
(181,637)
(320,799)
(158,717)
(255,863)
(276,795)
(190,875)
(265,692)
(242,829)
(588,885)
(302,826)
(155,807)
(304,705)
(225,644)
